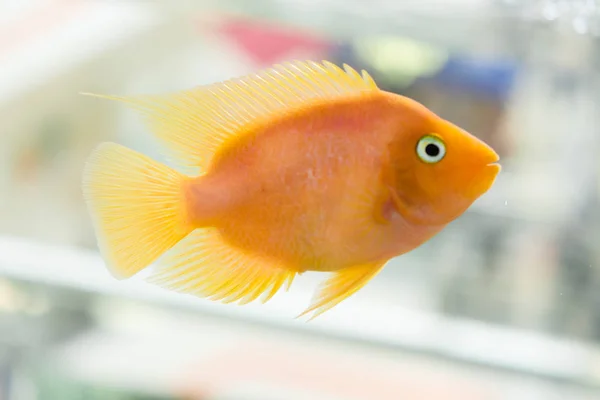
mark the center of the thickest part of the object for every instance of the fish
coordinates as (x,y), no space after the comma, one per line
(301,166)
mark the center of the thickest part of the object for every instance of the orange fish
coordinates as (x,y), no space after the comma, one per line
(300,167)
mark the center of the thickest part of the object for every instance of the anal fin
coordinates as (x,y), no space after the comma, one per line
(341,285)
(204,265)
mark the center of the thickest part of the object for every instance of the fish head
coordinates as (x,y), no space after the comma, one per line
(438,169)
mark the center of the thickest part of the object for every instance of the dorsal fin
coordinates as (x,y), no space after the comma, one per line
(194,124)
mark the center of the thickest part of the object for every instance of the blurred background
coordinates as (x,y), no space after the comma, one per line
(503,305)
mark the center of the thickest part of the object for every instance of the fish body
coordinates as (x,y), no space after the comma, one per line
(307,188)
(303,167)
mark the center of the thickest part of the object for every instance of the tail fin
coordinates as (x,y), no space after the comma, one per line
(137,206)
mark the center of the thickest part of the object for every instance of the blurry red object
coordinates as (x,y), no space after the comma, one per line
(36,23)
(267,44)
(290,367)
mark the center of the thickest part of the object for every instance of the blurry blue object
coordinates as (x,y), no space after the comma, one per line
(490,78)
(345,52)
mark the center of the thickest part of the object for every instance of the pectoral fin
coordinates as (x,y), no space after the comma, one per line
(342,285)
(389,198)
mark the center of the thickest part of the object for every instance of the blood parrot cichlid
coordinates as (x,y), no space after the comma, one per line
(300,167)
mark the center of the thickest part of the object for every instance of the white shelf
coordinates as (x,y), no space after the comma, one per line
(355,319)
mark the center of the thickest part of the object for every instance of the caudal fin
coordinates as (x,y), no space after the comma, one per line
(137,206)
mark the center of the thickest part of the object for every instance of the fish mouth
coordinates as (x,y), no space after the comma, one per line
(494,166)
(492,158)
(488,155)
(487,170)
(485,178)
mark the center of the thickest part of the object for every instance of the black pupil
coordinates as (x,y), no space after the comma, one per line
(432,150)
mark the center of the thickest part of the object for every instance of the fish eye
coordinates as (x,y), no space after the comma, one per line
(431,149)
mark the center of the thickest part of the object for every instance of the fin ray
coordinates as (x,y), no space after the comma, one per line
(340,286)
(204,265)
(137,207)
(193,124)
